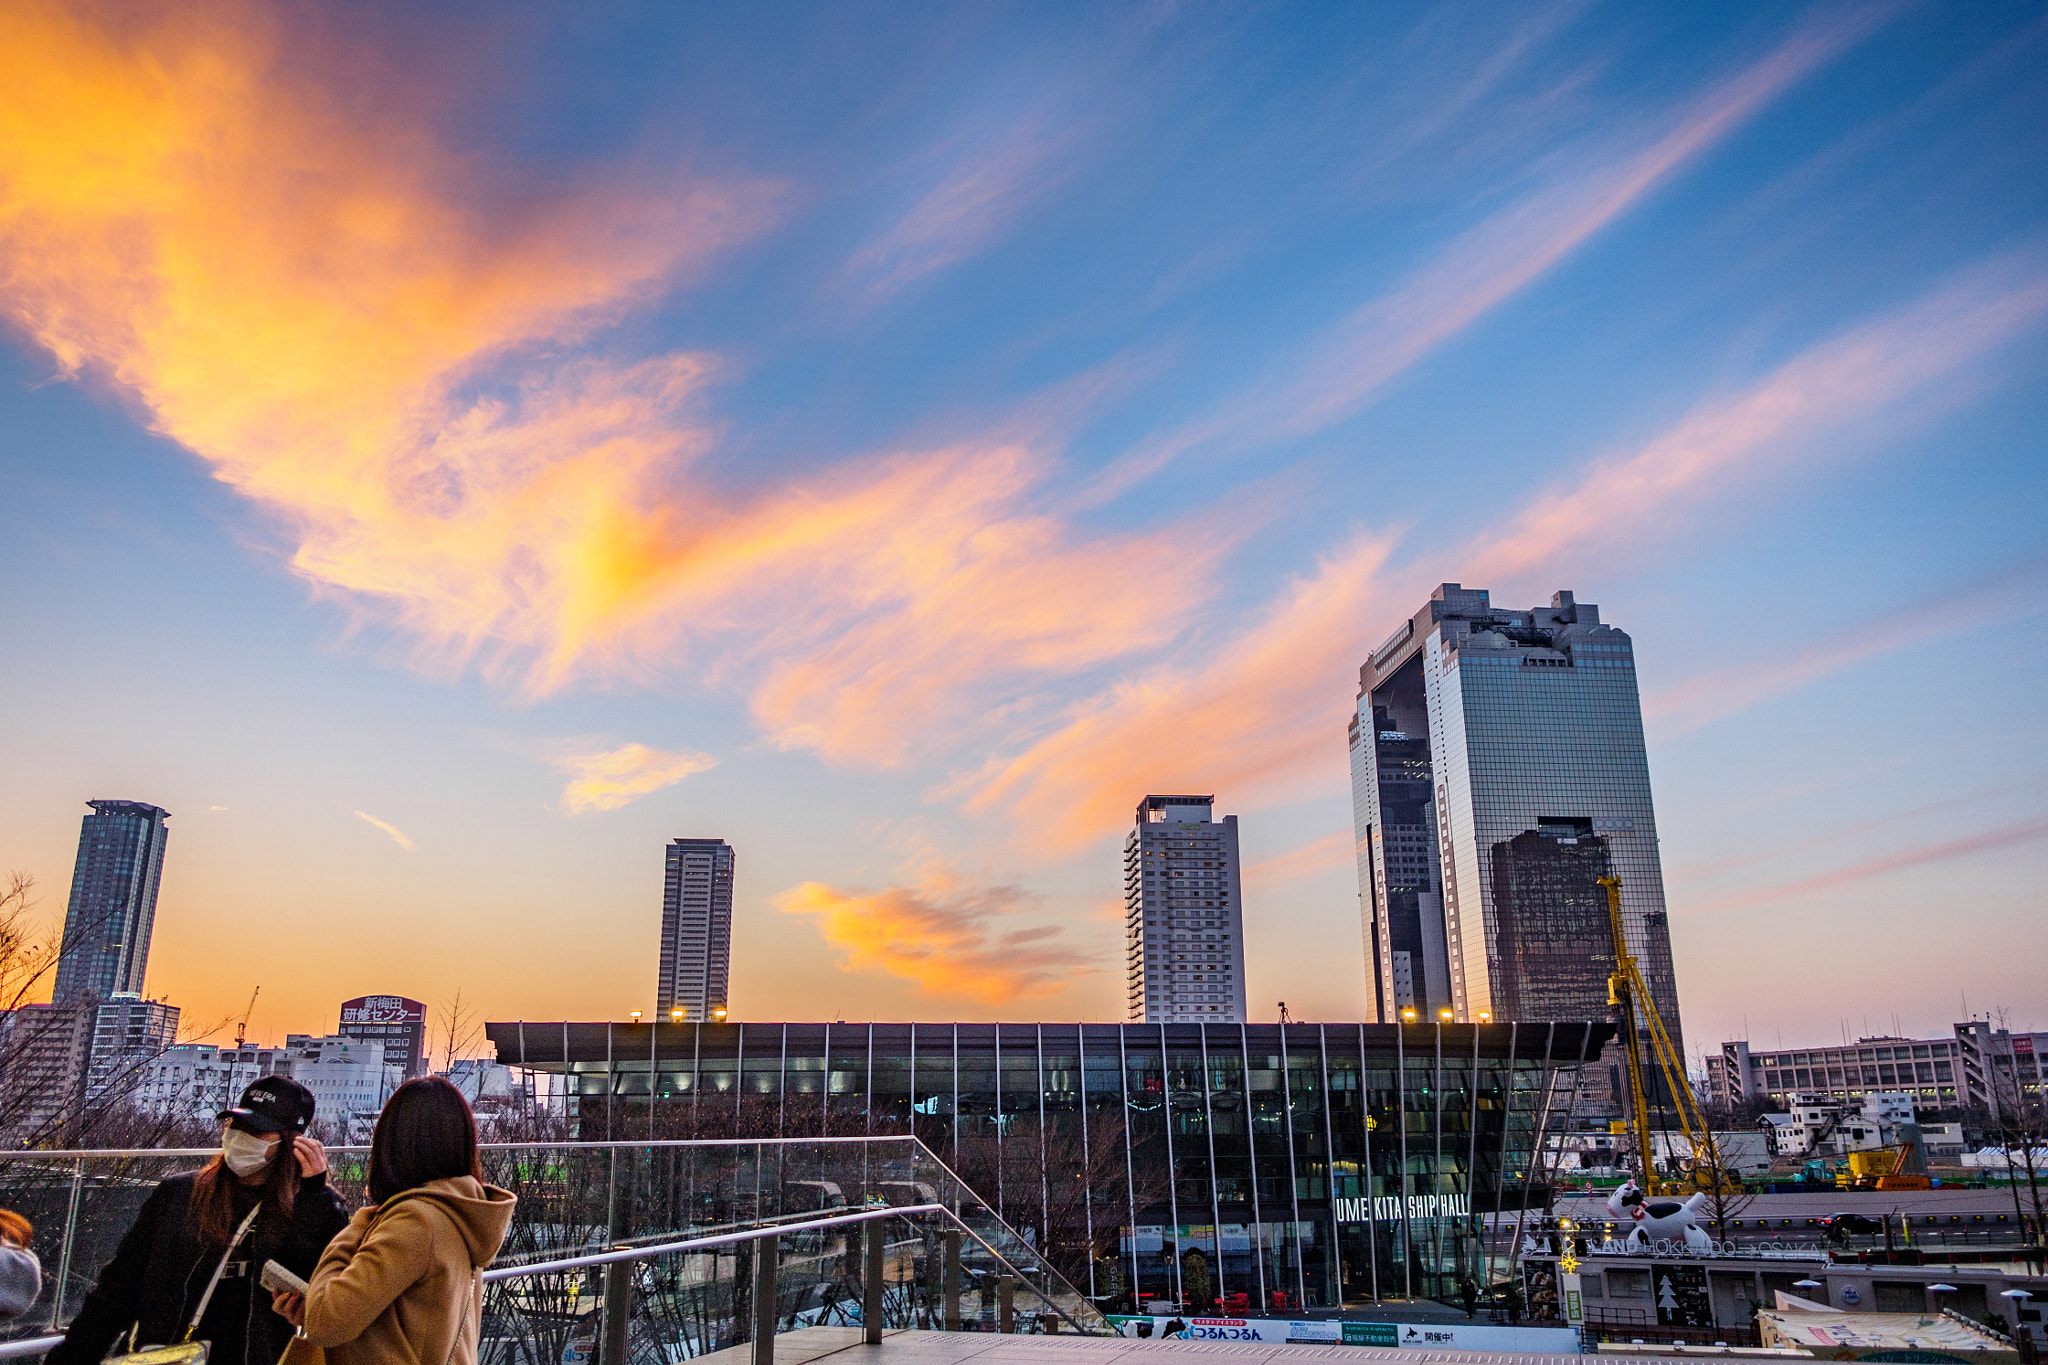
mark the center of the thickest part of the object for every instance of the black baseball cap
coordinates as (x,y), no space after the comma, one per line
(275,1104)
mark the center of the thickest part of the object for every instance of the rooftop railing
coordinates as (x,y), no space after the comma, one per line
(644,1253)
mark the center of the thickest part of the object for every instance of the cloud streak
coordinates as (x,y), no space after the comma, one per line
(2010,594)
(1260,720)
(606,779)
(2014,835)
(944,934)
(1356,357)
(397,835)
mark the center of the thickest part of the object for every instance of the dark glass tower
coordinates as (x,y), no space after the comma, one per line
(696,928)
(113,900)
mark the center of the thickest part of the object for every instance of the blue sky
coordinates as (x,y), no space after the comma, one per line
(448,455)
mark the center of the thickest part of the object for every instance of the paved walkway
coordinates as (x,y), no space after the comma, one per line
(987,1348)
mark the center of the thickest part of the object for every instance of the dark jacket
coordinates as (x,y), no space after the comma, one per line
(161,1269)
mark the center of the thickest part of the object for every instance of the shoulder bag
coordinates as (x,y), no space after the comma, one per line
(187,1351)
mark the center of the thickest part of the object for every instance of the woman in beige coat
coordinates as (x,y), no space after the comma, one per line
(403,1281)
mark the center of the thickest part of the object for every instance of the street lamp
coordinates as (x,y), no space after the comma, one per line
(1444,1015)
(634,1015)
(675,1016)
(1486,1016)
(718,1014)
(1408,1016)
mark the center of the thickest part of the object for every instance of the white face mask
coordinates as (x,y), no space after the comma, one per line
(246,1153)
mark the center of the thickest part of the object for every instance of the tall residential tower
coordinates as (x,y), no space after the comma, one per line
(1497,773)
(113,901)
(696,929)
(1183,913)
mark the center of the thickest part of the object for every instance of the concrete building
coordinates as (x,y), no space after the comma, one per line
(44,1050)
(1498,771)
(1980,1067)
(1183,914)
(696,929)
(397,1023)
(348,1077)
(128,1033)
(112,910)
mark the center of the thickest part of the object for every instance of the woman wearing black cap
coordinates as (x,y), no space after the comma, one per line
(268,1168)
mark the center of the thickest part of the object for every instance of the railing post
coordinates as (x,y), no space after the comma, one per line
(952,1282)
(1006,1304)
(618,1312)
(767,1262)
(64,1255)
(871,1304)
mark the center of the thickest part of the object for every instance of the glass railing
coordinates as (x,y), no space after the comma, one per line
(945,1260)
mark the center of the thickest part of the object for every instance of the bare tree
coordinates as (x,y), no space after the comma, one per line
(460,1030)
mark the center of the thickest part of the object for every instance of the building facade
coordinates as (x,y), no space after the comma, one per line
(128,1033)
(348,1076)
(1183,914)
(696,929)
(112,911)
(1320,1163)
(1980,1067)
(393,1022)
(1498,771)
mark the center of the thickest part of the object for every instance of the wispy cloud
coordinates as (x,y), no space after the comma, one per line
(1337,373)
(1702,871)
(1990,841)
(1303,861)
(398,836)
(945,933)
(983,187)
(1259,719)
(2010,595)
(606,779)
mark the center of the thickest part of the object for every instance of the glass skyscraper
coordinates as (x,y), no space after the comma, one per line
(113,901)
(1498,772)
(1183,914)
(696,928)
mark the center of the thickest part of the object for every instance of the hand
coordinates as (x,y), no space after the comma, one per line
(312,1156)
(289,1306)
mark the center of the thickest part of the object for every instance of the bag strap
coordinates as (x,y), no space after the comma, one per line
(220,1270)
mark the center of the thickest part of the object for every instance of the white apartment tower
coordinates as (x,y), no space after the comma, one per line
(696,929)
(1184,913)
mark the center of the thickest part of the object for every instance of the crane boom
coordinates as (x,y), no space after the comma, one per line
(1629,995)
(242,1024)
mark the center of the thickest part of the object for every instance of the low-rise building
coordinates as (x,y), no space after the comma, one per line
(348,1078)
(1979,1067)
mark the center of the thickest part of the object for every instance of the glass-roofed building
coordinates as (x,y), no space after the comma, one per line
(1253,1167)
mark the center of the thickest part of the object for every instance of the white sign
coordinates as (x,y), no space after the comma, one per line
(1391,1207)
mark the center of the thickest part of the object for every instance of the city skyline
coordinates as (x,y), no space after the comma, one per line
(900,444)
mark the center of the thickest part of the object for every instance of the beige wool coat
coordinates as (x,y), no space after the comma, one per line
(399,1284)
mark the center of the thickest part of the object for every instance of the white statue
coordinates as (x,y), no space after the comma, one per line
(1657,1220)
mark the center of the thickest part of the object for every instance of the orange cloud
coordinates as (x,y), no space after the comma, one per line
(606,779)
(1268,711)
(943,934)
(315,304)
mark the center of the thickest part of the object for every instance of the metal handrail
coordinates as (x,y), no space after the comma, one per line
(35,1346)
(72,1154)
(514,1272)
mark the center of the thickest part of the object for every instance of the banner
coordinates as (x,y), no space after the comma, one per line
(1335,1331)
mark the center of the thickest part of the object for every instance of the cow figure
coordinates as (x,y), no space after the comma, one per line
(1656,1220)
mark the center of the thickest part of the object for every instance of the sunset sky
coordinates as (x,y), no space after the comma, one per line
(449,451)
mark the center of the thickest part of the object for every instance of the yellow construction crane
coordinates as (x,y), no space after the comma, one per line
(242,1024)
(1629,995)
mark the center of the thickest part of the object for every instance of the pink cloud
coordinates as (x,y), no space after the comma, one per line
(1990,841)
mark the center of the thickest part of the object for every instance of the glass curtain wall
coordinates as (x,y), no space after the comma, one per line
(1232,1167)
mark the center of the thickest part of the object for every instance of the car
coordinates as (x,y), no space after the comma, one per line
(1843,1224)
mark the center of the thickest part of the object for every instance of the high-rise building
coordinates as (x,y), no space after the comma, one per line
(113,901)
(1498,772)
(1183,913)
(696,929)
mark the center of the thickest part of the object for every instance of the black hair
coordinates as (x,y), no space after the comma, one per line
(426,1132)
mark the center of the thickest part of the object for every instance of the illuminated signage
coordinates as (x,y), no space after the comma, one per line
(1389,1207)
(382,1009)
